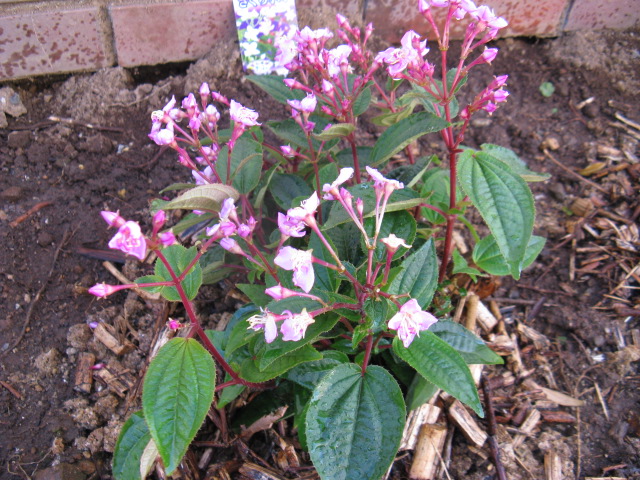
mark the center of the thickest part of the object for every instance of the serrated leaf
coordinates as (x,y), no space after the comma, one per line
(290,132)
(337,130)
(249,368)
(487,256)
(246,164)
(400,223)
(504,201)
(518,166)
(179,258)
(345,157)
(419,275)
(177,393)
(255,293)
(471,348)
(132,441)
(391,118)
(398,136)
(361,103)
(325,278)
(354,423)
(460,265)
(208,198)
(285,188)
(420,392)
(274,86)
(309,374)
(439,363)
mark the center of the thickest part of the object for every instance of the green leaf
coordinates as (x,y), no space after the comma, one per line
(547,89)
(390,118)
(249,369)
(290,132)
(203,197)
(346,238)
(471,348)
(309,374)
(326,278)
(285,188)
(355,423)
(419,276)
(132,441)
(504,201)
(398,136)
(400,200)
(274,86)
(400,223)
(177,393)
(460,265)
(345,157)
(420,392)
(361,103)
(518,166)
(246,164)
(255,293)
(487,256)
(337,130)
(435,189)
(377,311)
(439,363)
(179,258)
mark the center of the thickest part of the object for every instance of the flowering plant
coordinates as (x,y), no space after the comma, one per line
(338,243)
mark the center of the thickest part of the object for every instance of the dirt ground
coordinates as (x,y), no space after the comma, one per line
(56,174)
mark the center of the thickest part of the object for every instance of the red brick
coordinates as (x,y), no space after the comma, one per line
(168,32)
(392,18)
(37,43)
(596,14)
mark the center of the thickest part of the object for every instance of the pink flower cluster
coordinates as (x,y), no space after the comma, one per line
(409,56)
(488,99)
(410,321)
(293,328)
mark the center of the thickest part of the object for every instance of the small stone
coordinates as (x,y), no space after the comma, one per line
(98,144)
(550,143)
(11,103)
(58,446)
(12,194)
(557,191)
(48,363)
(79,335)
(44,239)
(582,207)
(592,110)
(19,139)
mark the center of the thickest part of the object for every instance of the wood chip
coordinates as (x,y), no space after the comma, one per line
(528,426)
(552,466)
(106,335)
(118,383)
(465,422)
(472,312)
(252,471)
(264,423)
(428,452)
(485,318)
(84,374)
(425,413)
(553,395)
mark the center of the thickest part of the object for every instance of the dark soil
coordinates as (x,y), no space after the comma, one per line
(97,156)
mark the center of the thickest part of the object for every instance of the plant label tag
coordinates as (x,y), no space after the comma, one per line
(263,25)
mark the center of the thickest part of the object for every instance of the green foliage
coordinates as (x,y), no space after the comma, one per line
(132,442)
(203,197)
(354,423)
(419,275)
(176,396)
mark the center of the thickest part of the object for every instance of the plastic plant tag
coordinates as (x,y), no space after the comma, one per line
(262,25)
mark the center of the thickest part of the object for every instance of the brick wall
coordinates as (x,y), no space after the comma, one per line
(59,36)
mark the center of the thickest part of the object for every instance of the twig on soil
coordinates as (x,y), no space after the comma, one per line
(12,390)
(631,123)
(91,126)
(572,173)
(31,211)
(65,238)
(493,443)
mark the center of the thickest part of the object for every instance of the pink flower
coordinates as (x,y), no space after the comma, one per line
(163,136)
(103,290)
(264,321)
(230,245)
(489,54)
(113,219)
(331,190)
(167,238)
(393,243)
(306,209)
(242,115)
(384,184)
(301,262)
(130,240)
(399,59)
(291,227)
(337,59)
(307,104)
(174,324)
(295,326)
(279,292)
(287,151)
(410,321)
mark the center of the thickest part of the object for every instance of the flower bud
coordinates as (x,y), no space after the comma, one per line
(113,219)
(167,238)
(103,290)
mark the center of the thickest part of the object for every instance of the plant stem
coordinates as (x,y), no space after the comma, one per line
(367,354)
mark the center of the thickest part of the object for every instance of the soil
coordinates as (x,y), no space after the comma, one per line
(82,147)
